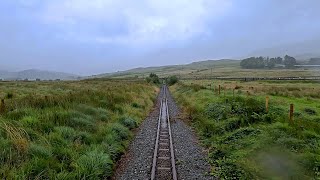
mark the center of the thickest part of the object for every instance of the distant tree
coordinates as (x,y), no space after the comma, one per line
(289,61)
(153,78)
(278,60)
(314,61)
(271,63)
(172,80)
(253,63)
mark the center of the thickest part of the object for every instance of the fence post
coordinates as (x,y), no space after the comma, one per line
(291,113)
(2,106)
(267,104)
(219,89)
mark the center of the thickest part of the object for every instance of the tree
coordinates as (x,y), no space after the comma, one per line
(253,63)
(172,80)
(153,78)
(289,61)
(278,60)
(271,63)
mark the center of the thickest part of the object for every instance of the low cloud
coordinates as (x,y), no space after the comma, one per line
(146,22)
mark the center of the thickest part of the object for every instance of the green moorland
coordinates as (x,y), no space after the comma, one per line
(212,68)
(68,130)
(246,142)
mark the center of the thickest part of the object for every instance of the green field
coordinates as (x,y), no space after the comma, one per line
(212,69)
(246,142)
(68,130)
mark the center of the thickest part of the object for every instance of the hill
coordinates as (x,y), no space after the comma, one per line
(33,74)
(186,69)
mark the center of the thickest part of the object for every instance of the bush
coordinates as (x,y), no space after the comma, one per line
(172,80)
(217,111)
(153,78)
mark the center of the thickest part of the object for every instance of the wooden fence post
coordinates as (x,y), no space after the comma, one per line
(267,104)
(2,106)
(291,113)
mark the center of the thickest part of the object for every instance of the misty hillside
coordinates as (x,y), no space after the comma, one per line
(33,74)
(174,69)
(300,50)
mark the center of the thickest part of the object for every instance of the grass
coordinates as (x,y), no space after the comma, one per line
(68,130)
(212,68)
(246,142)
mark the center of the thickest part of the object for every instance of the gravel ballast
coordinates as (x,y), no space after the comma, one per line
(136,164)
(190,158)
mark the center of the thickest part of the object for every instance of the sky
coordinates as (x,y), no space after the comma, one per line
(99,36)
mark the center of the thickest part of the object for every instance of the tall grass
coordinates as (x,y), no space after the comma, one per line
(246,142)
(68,130)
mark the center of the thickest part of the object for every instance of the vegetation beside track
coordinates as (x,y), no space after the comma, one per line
(246,142)
(68,130)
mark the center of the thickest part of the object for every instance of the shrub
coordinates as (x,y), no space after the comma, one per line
(153,78)
(228,169)
(239,134)
(232,124)
(172,80)
(217,111)
(93,165)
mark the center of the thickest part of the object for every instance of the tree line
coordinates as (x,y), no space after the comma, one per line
(266,62)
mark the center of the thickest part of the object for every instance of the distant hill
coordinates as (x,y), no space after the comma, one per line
(33,74)
(173,69)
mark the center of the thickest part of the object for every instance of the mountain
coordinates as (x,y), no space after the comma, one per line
(33,74)
(173,69)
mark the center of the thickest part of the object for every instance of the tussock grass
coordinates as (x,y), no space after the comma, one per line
(246,142)
(68,130)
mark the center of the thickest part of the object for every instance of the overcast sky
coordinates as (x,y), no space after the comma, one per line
(97,36)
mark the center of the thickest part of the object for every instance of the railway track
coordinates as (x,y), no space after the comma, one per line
(163,166)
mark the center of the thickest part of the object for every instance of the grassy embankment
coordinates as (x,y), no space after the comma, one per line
(246,142)
(68,130)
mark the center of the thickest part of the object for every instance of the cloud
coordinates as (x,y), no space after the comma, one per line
(132,23)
